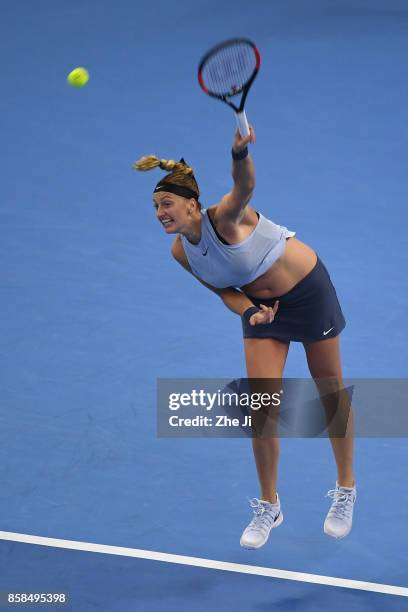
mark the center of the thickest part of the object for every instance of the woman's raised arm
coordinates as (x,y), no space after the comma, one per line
(232,206)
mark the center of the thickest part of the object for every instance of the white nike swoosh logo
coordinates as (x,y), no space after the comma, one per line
(329,330)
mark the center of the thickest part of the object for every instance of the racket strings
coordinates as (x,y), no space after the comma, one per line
(228,70)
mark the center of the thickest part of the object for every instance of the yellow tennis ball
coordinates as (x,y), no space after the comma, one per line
(78,77)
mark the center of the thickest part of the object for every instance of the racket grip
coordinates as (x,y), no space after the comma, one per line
(242,123)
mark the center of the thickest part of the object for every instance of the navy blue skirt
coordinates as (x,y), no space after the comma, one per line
(309,312)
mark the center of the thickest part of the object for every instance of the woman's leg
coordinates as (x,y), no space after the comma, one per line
(324,362)
(265,359)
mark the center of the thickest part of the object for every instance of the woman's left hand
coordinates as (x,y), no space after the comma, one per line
(265,315)
(241,142)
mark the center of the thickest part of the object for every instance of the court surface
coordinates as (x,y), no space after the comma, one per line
(93,310)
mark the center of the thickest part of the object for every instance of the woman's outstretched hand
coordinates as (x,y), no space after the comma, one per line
(264,316)
(240,143)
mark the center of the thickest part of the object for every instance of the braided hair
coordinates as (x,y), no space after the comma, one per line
(179,173)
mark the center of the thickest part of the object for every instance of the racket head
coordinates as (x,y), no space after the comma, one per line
(229,68)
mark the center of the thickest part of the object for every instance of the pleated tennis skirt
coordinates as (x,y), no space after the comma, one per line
(309,312)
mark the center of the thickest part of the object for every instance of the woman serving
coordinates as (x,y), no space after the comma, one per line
(281,290)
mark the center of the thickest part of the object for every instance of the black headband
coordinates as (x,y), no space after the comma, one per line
(184,192)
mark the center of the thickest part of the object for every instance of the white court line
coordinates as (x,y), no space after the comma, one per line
(208,563)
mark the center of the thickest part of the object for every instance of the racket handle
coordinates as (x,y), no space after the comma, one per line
(242,123)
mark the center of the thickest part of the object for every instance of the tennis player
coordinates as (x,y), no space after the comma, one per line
(281,290)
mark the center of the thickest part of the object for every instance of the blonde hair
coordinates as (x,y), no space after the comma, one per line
(151,161)
(180,173)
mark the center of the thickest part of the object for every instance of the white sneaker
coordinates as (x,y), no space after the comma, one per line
(267,516)
(340,516)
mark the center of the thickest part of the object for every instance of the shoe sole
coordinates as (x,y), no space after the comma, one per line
(336,537)
(276,524)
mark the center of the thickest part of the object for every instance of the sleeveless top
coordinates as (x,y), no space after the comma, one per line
(233,265)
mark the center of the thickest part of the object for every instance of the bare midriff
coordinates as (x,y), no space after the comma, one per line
(296,262)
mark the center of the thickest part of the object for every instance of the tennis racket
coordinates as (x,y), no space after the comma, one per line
(228,70)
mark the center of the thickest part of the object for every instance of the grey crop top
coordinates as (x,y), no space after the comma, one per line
(234,265)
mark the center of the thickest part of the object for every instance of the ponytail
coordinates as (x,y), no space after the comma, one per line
(169,165)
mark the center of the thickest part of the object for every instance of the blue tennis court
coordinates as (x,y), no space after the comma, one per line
(94,309)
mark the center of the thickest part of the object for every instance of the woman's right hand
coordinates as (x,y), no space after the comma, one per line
(240,142)
(264,316)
